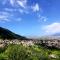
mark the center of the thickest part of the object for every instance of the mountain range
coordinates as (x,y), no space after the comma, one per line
(7,34)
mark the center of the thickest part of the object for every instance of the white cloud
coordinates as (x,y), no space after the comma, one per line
(9,9)
(22,6)
(36,7)
(23,11)
(52,28)
(42,18)
(22,3)
(16,3)
(12,2)
(4,16)
(8,17)
(8,1)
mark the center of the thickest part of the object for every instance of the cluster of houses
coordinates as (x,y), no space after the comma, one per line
(15,41)
(49,42)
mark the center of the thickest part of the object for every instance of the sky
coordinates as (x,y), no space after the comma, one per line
(30,17)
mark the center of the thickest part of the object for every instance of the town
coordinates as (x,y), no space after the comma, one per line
(49,43)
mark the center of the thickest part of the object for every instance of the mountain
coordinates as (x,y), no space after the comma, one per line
(7,34)
(56,34)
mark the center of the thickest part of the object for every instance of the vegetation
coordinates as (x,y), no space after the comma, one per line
(35,52)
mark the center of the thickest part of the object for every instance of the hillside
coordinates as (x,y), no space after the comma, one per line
(7,34)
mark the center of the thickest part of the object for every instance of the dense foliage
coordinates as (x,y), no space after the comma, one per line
(20,52)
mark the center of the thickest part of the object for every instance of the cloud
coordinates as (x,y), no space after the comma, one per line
(4,16)
(22,3)
(52,28)
(8,1)
(42,18)
(16,3)
(12,10)
(36,7)
(19,6)
(12,2)
(22,11)
(9,17)
(9,9)
(22,6)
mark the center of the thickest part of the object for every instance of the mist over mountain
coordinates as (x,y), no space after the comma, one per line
(56,34)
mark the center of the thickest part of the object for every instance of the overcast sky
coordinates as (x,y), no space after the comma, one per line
(30,17)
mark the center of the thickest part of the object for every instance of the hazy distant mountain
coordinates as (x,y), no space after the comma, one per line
(56,34)
(7,34)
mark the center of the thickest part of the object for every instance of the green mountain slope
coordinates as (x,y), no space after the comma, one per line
(7,34)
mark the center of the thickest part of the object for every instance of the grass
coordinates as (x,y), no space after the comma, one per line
(35,52)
